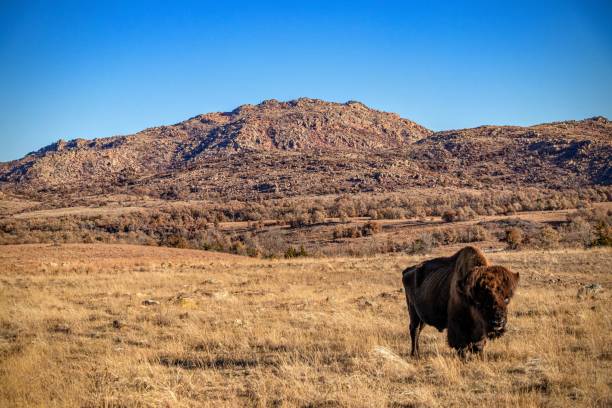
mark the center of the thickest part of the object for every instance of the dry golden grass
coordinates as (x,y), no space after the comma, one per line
(231,331)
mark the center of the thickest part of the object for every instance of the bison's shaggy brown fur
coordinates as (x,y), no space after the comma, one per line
(462,293)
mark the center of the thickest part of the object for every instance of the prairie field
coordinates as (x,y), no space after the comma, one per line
(114,325)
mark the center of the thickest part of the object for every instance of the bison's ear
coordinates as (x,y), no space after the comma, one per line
(514,278)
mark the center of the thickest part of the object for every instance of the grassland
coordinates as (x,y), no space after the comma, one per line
(118,325)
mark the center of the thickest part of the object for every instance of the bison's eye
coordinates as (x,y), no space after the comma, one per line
(506,300)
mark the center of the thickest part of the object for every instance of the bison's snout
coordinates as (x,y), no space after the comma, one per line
(499,319)
(497,324)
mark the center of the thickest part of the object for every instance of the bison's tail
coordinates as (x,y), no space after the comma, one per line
(408,273)
(410,269)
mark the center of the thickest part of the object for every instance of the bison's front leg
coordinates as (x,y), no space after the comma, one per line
(472,348)
(477,347)
(465,333)
(456,336)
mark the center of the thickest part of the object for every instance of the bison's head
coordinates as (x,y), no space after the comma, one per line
(488,289)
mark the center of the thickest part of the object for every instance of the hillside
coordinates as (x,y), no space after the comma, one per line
(562,154)
(312,147)
(271,126)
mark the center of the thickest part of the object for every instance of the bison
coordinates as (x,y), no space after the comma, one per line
(462,293)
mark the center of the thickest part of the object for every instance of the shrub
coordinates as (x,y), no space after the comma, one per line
(603,235)
(297,221)
(367,229)
(422,245)
(449,215)
(343,217)
(317,217)
(514,238)
(580,231)
(176,241)
(547,238)
(370,228)
(291,252)
(464,213)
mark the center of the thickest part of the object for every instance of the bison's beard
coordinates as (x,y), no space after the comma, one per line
(496,323)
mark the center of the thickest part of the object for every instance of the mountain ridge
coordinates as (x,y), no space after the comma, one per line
(349,144)
(79,142)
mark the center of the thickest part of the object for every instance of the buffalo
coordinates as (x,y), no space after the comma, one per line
(462,293)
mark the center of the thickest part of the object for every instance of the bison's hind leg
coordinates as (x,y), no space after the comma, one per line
(416,325)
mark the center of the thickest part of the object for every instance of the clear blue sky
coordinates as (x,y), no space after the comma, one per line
(92,69)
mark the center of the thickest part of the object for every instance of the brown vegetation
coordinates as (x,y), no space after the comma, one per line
(203,226)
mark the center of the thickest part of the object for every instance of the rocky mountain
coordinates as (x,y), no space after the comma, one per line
(561,154)
(299,125)
(309,146)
